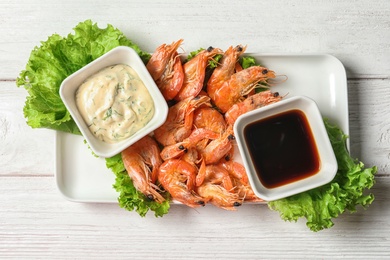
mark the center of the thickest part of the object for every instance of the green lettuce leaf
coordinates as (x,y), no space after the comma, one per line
(129,198)
(248,61)
(347,191)
(53,61)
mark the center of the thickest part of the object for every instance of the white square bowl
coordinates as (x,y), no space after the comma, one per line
(118,55)
(327,160)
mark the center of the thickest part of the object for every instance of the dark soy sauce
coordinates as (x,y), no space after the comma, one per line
(282,148)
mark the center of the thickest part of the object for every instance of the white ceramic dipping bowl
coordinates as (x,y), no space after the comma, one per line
(118,55)
(327,164)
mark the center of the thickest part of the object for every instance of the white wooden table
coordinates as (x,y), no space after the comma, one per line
(37,222)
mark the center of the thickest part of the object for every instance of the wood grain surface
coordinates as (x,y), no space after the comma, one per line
(36,222)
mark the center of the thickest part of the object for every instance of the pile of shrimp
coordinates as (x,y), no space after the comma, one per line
(191,156)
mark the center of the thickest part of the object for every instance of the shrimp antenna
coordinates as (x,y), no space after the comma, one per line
(277,80)
(182,55)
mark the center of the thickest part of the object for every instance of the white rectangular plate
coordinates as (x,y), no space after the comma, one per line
(82,177)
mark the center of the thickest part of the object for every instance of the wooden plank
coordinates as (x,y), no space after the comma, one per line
(369,102)
(358,34)
(35,222)
(23,150)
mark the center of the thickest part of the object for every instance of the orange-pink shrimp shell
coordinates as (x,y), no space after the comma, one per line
(209,118)
(239,85)
(160,59)
(219,196)
(178,178)
(240,180)
(180,148)
(142,161)
(166,69)
(218,148)
(172,80)
(225,69)
(195,72)
(217,188)
(179,123)
(252,102)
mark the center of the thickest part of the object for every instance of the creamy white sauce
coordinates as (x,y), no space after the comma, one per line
(115,103)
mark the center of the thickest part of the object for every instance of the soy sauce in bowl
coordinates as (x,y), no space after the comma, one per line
(285,148)
(282,148)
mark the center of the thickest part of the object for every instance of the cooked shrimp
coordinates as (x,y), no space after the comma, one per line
(239,85)
(215,174)
(255,101)
(217,188)
(192,156)
(180,148)
(218,148)
(179,121)
(240,180)
(219,196)
(225,69)
(178,178)
(171,81)
(194,73)
(166,69)
(209,118)
(160,59)
(141,161)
